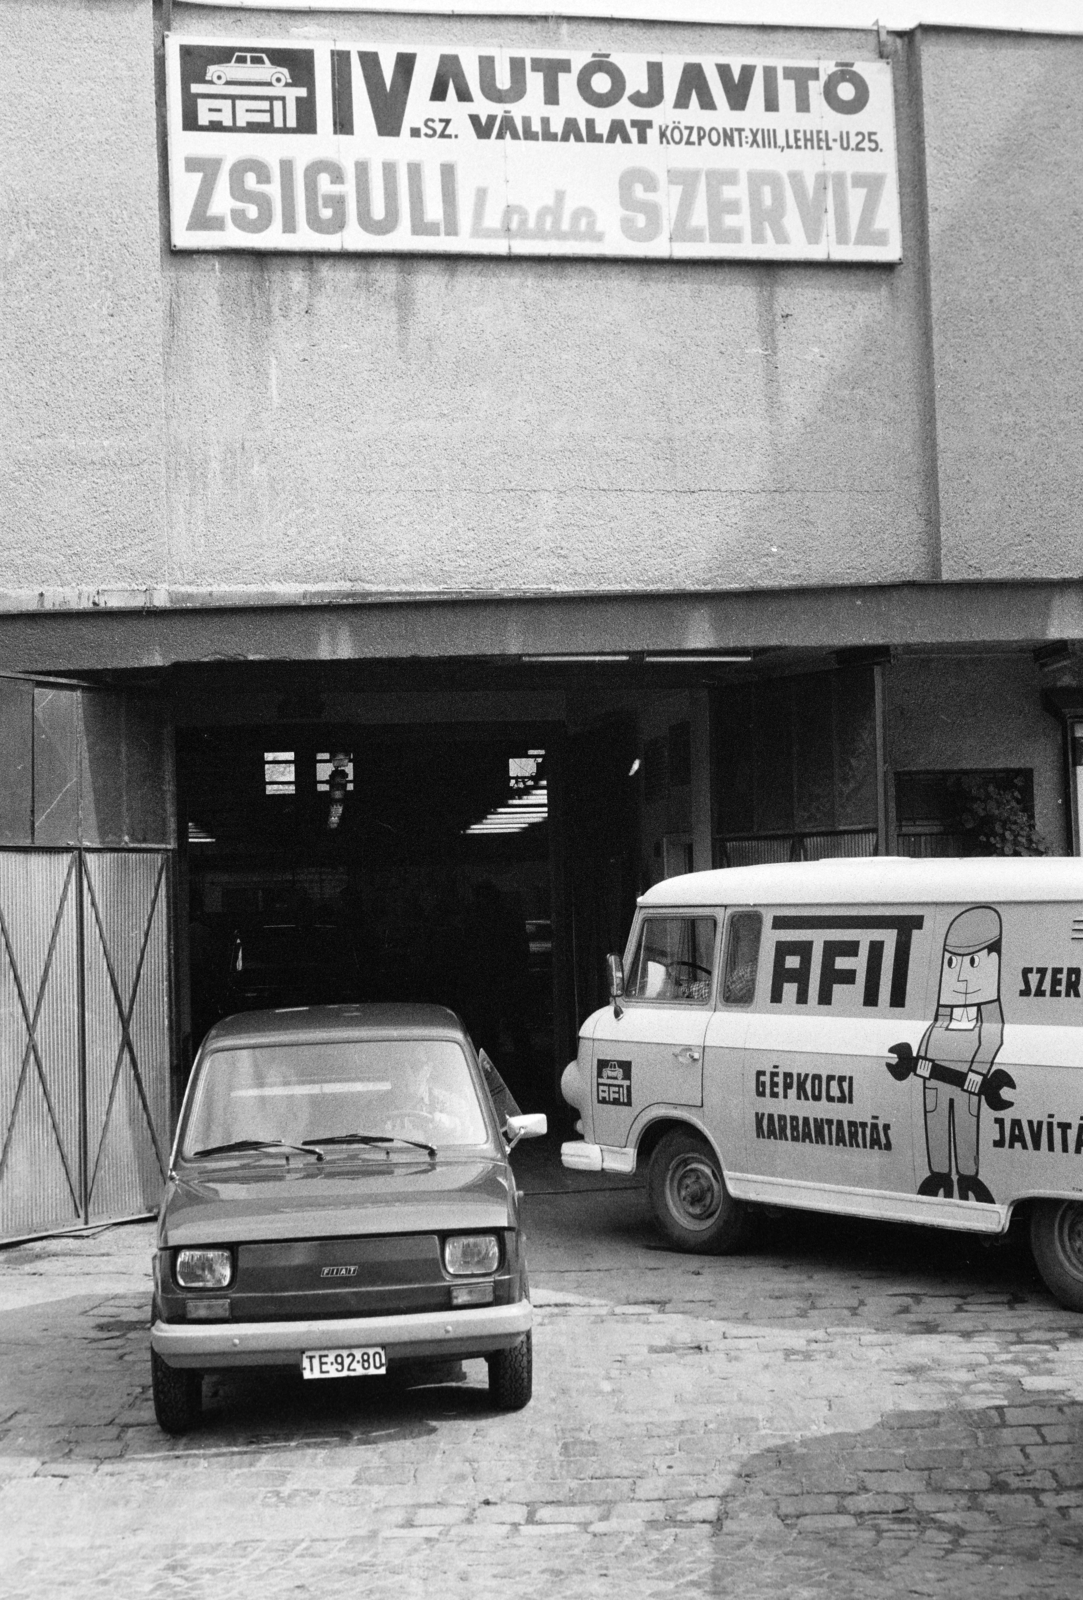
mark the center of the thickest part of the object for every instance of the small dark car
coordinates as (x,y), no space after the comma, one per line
(340,1201)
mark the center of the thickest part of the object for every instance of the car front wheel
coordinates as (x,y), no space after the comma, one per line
(511,1375)
(1056,1242)
(689,1198)
(178,1395)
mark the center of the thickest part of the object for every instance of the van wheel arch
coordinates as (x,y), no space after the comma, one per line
(653,1134)
(687,1190)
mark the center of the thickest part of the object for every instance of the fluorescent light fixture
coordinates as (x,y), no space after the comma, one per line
(694,659)
(573,660)
(528,802)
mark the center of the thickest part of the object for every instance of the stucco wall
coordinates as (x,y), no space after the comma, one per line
(427,424)
(950,713)
(1004,139)
(433,425)
(81,405)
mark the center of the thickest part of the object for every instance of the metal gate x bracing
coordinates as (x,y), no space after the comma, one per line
(85,1036)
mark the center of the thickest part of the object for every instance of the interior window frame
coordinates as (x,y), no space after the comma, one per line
(692,914)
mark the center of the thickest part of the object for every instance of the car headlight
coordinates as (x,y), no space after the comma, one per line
(468,1254)
(203,1269)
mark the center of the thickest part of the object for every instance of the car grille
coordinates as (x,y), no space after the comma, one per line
(283,1280)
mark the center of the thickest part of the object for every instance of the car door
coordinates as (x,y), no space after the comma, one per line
(652,1053)
(724,1088)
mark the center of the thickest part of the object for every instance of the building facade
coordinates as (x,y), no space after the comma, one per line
(558,571)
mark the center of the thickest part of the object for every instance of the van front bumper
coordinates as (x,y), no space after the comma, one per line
(580,1156)
(472,1331)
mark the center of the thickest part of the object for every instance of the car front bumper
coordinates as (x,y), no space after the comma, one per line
(472,1331)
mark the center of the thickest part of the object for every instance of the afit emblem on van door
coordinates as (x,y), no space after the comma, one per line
(614,1083)
(956,1055)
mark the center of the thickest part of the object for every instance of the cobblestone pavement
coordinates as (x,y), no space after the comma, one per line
(846,1410)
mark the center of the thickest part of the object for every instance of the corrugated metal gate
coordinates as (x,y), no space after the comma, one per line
(85,1035)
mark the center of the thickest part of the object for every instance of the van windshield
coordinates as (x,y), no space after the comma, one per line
(417,1089)
(673,960)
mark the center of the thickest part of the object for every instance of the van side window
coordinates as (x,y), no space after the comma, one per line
(742,956)
(673,960)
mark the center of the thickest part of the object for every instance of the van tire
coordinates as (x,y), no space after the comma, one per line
(689,1198)
(178,1395)
(1056,1242)
(511,1375)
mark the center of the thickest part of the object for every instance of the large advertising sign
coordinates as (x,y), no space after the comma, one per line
(492,151)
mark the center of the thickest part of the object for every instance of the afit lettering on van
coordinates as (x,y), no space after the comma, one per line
(1057,1136)
(793,958)
(837,1088)
(841,1134)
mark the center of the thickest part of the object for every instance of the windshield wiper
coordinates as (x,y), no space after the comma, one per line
(238,1145)
(373,1138)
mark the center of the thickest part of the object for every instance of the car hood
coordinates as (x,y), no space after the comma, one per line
(265,1199)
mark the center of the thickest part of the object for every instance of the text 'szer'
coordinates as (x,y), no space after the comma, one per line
(791,974)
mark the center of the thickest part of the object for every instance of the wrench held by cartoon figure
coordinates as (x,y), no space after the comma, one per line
(992,1086)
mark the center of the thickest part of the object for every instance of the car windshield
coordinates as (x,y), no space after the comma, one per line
(419,1089)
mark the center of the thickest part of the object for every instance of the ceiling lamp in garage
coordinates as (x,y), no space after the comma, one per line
(529,801)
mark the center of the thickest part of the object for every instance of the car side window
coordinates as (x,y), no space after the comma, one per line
(673,960)
(743,932)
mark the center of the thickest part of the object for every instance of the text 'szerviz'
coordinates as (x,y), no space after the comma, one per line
(485,151)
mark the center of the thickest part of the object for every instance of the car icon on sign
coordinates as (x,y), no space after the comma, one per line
(248,66)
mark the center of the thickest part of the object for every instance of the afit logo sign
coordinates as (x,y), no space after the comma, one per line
(231,90)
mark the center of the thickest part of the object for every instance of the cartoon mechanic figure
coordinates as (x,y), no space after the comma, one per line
(958,1049)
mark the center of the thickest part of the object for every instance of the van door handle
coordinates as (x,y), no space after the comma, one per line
(686,1055)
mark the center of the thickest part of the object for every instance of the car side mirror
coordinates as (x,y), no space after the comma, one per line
(615,973)
(533,1125)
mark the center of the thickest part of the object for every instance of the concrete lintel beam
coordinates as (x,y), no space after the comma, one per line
(158,635)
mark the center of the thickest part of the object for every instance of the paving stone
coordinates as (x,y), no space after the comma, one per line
(841,1414)
(803,1505)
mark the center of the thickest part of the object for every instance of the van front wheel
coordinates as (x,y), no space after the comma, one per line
(1056,1240)
(689,1198)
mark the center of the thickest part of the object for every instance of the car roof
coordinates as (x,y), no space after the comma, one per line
(876,880)
(322,1024)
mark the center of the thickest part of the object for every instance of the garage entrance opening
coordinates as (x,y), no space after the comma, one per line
(351,863)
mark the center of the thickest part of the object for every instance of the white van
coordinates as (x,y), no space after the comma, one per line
(878,1038)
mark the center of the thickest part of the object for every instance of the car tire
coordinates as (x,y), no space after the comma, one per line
(511,1375)
(218,77)
(178,1395)
(278,79)
(689,1198)
(1056,1242)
